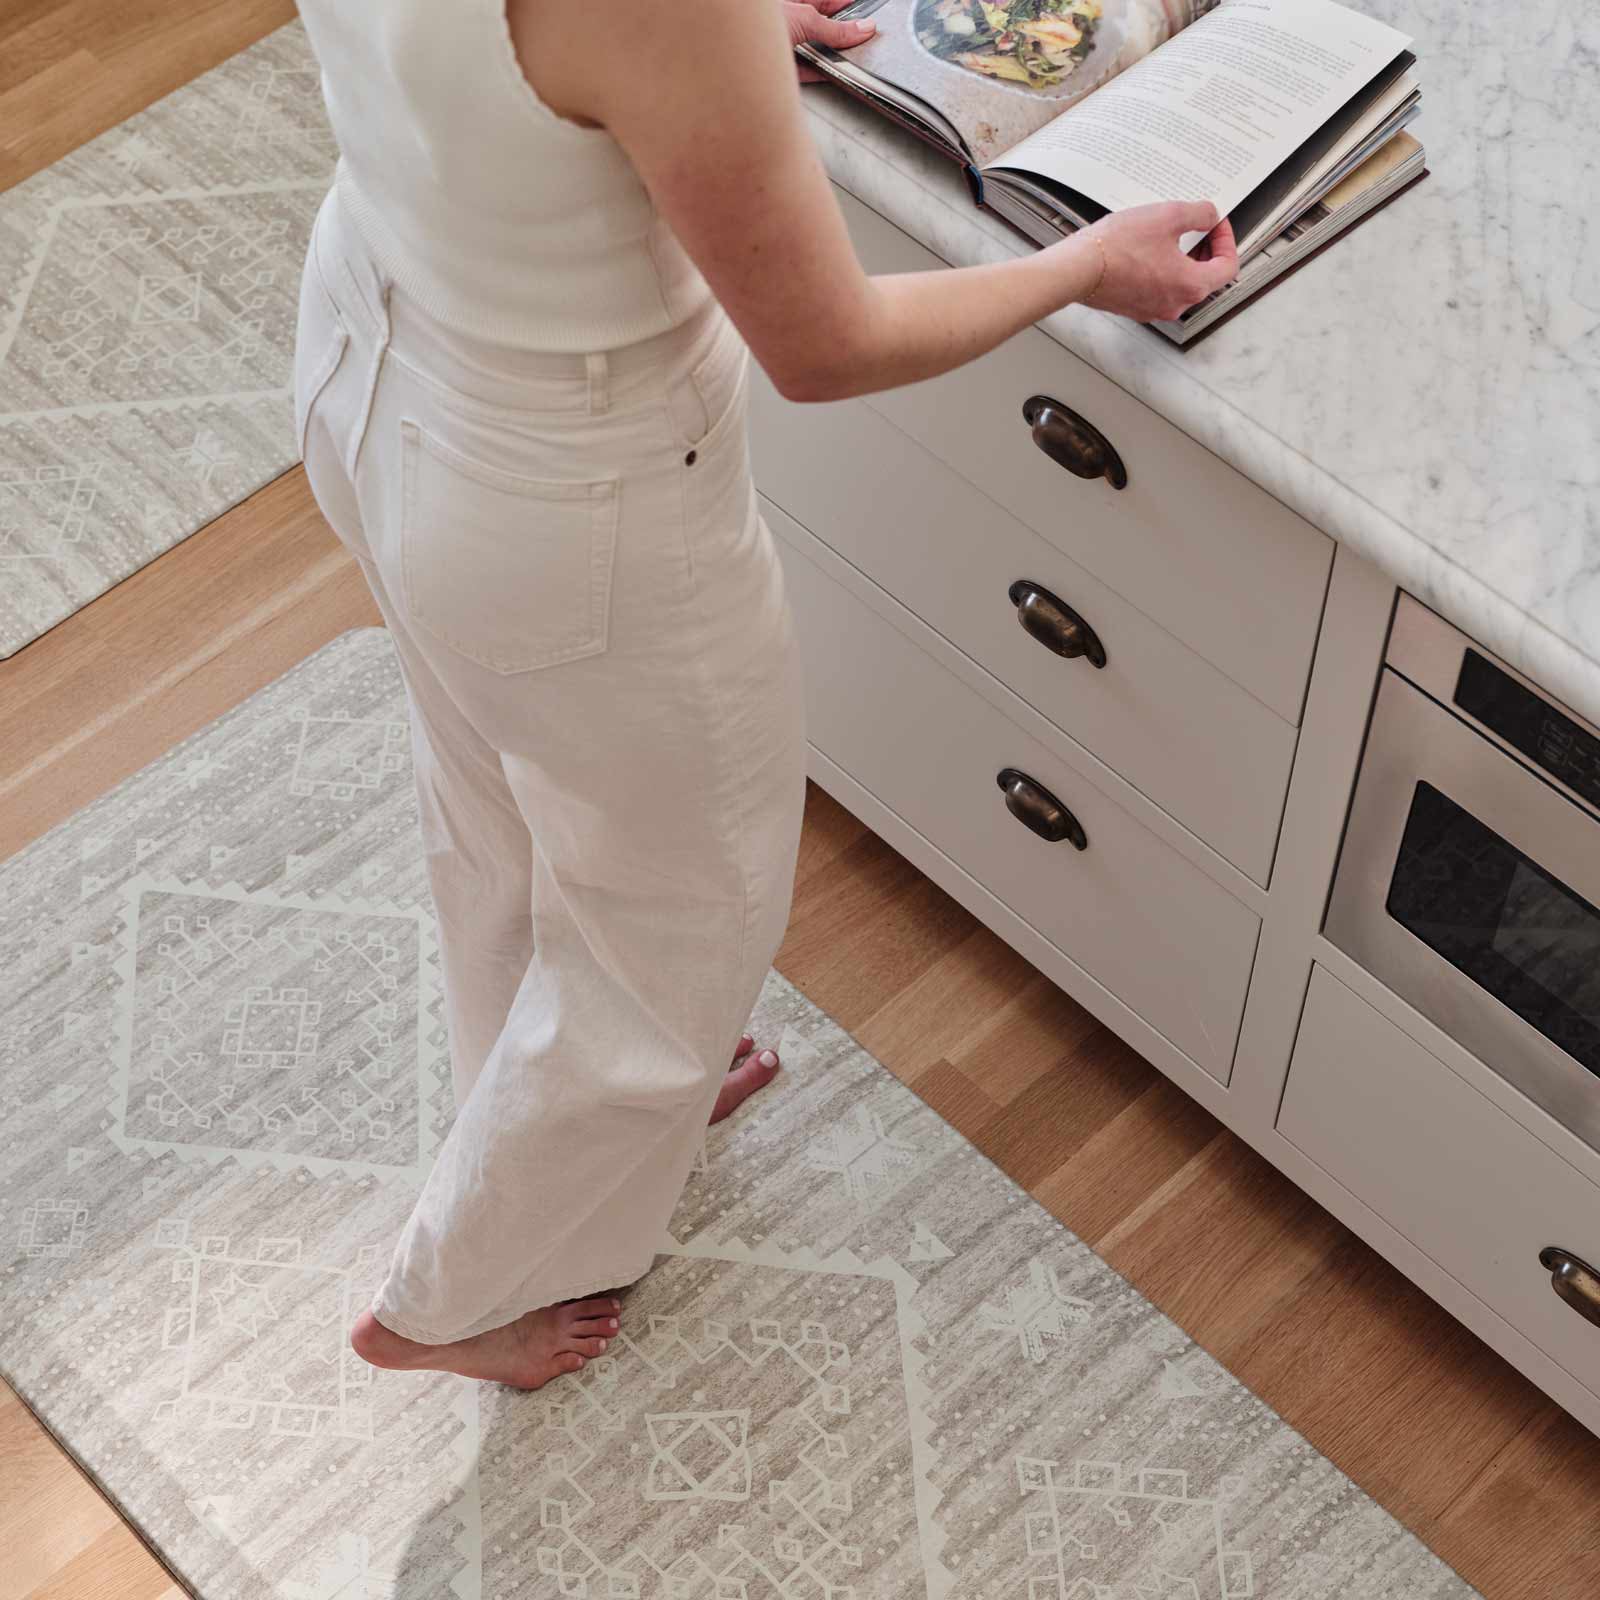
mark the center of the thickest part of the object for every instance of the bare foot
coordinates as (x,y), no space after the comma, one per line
(538,1346)
(747,1074)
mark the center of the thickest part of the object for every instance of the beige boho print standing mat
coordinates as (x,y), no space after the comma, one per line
(865,1367)
(148,288)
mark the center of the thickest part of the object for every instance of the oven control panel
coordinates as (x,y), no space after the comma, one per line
(1530,724)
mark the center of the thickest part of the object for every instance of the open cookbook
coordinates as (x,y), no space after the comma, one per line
(1286,114)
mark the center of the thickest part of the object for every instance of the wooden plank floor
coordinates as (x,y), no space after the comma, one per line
(1497,1479)
(70,69)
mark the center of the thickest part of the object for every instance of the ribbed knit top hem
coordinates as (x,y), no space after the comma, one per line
(597,321)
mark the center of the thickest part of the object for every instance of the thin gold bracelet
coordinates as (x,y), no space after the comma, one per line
(1094,288)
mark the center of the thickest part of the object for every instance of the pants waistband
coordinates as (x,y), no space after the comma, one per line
(492,373)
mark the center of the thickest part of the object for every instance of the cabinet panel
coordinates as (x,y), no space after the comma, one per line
(1471,1188)
(1194,544)
(1179,730)
(1128,909)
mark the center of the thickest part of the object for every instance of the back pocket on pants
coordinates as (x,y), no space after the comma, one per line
(512,572)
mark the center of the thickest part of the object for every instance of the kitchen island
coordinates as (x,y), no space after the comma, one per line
(1275,592)
(1428,389)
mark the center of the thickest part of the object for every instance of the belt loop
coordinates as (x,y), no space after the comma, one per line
(359,433)
(599,388)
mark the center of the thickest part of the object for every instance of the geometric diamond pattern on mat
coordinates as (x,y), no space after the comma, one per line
(782,1445)
(149,284)
(54,1227)
(337,755)
(164,298)
(865,1366)
(1148,1508)
(261,1335)
(270,1027)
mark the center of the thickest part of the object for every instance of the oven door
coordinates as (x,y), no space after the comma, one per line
(1470,886)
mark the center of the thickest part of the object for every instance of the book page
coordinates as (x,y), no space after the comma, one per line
(1211,113)
(999,69)
(1378,178)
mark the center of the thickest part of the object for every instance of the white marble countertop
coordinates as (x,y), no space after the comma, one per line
(1428,390)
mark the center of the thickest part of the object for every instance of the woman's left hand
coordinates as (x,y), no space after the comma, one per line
(815,24)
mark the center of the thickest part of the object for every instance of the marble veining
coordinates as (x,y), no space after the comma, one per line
(1428,391)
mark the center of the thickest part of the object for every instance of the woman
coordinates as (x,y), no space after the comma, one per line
(557,233)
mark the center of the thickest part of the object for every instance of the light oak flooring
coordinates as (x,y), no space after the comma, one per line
(1498,1480)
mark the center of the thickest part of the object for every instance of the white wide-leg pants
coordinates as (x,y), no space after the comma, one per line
(608,732)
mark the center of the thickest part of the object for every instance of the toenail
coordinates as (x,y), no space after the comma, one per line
(768,1059)
(613,1322)
(602,1346)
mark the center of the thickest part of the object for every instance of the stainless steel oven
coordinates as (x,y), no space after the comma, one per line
(1469,879)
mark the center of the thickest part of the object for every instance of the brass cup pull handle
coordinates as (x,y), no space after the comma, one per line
(1574,1280)
(1073,441)
(1036,808)
(1054,623)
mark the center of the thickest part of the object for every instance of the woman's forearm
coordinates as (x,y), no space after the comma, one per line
(907,326)
(718,137)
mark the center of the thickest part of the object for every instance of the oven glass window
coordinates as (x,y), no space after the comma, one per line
(1502,920)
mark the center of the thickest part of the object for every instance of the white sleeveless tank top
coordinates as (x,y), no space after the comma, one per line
(494,214)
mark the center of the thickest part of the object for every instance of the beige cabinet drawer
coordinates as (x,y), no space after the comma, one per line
(1470,1187)
(1194,544)
(1149,926)
(1179,730)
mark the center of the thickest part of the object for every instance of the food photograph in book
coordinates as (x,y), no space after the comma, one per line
(999,69)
